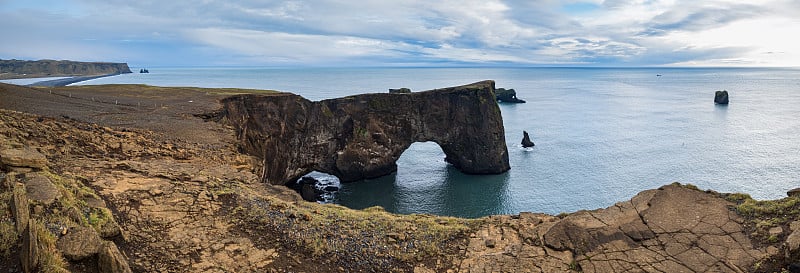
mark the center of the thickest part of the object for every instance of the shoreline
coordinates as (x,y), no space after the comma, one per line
(68,81)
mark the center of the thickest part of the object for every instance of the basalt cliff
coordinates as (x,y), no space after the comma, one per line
(10,69)
(362,136)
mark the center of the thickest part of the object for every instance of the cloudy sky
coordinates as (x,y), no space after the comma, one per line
(405,32)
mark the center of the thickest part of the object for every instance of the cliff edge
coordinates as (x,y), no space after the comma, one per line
(362,136)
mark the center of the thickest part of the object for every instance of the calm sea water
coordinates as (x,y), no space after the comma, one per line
(602,135)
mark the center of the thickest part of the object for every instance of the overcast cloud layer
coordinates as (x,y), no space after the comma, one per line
(405,32)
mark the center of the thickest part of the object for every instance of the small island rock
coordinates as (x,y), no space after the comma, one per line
(507,95)
(721,97)
(526,140)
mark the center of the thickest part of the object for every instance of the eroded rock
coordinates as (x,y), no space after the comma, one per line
(20,208)
(362,136)
(111,260)
(29,254)
(526,140)
(23,158)
(40,188)
(721,97)
(507,95)
(79,243)
(671,229)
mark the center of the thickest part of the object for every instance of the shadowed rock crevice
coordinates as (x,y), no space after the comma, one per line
(362,136)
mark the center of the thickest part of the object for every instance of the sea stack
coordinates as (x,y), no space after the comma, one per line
(507,95)
(721,97)
(526,140)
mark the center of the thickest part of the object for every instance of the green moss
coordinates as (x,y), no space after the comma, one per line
(99,217)
(361,132)
(49,258)
(737,197)
(8,238)
(326,111)
(8,232)
(337,228)
(785,206)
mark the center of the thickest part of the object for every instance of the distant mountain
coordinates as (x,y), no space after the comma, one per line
(11,69)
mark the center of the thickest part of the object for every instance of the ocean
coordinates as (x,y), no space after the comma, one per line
(602,134)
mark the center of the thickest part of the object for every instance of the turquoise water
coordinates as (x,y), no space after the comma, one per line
(602,135)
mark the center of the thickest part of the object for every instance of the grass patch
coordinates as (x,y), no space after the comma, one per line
(50,261)
(8,232)
(371,234)
(780,208)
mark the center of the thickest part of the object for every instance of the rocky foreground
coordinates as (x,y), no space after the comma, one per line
(123,179)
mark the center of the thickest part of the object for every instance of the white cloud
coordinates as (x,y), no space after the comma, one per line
(610,32)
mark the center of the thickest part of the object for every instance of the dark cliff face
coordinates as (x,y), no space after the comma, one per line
(362,136)
(62,68)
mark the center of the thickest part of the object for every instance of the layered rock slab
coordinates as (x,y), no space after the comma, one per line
(670,229)
(362,136)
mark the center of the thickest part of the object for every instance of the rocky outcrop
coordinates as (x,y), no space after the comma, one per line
(111,260)
(362,136)
(507,95)
(721,97)
(40,189)
(43,68)
(526,140)
(20,208)
(400,90)
(29,252)
(670,229)
(79,243)
(22,158)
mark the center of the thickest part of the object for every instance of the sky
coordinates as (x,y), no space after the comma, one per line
(617,33)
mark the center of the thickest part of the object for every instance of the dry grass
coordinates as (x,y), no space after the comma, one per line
(8,233)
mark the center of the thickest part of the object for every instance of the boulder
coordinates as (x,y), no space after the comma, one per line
(507,95)
(23,158)
(721,97)
(111,260)
(526,140)
(20,208)
(400,91)
(792,244)
(40,188)
(363,136)
(793,192)
(308,188)
(79,243)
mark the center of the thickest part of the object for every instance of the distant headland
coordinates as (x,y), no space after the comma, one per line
(18,69)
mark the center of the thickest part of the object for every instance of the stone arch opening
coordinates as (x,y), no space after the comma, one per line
(363,136)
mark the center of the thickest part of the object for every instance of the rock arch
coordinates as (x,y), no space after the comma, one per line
(362,136)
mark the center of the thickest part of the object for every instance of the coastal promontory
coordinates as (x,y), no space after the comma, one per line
(362,136)
(15,69)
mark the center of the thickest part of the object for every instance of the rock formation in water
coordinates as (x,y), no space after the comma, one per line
(526,140)
(507,95)
(721,97)
(362,136)
(44,68)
